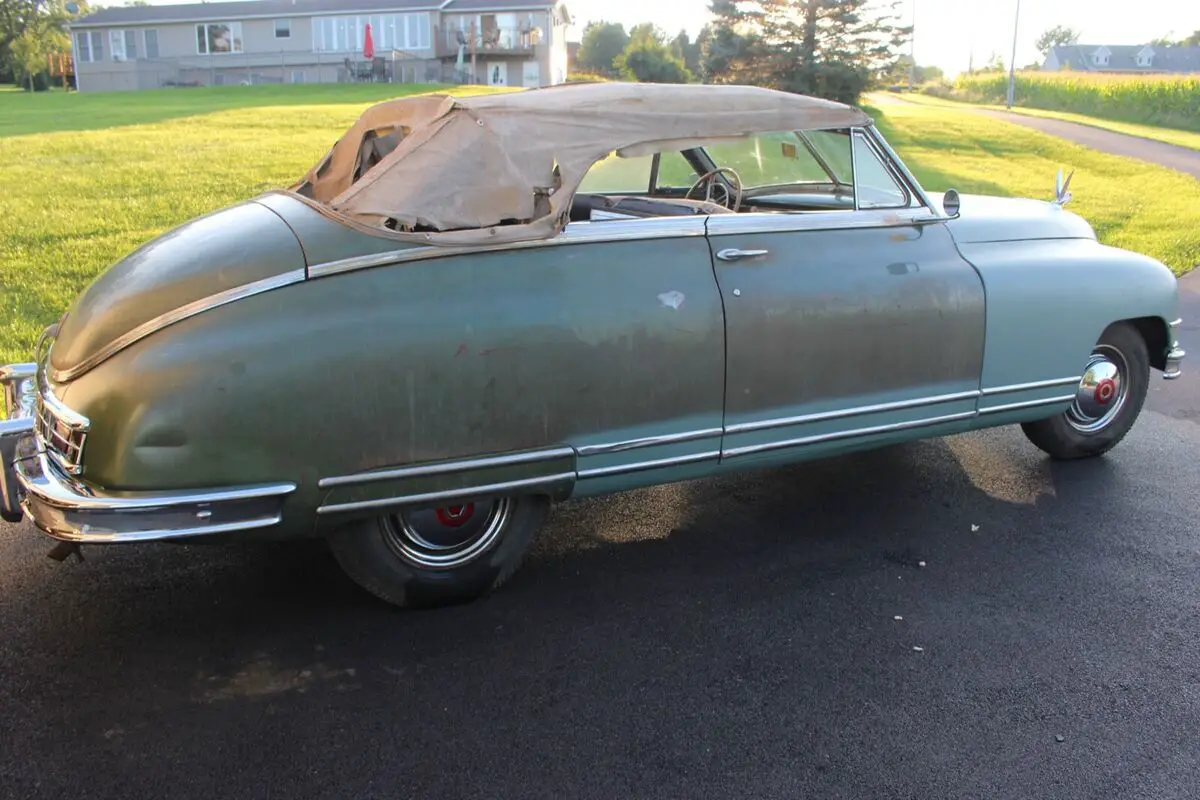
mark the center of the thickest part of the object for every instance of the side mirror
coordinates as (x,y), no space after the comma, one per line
(951,203)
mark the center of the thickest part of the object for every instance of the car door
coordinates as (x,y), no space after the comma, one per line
(859,324)
(644,402)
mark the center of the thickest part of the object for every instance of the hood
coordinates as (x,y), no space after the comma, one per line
(220,252)
(1011,219)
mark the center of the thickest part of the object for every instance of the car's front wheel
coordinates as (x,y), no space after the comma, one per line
(420,558)
(1107,402)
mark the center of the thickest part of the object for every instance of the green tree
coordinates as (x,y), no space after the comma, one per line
(900,70)
(649,60)
(29,31)
(687,51)
(646,32)
(827,48)
(734,50)
(599,47)
(1167,41)
(1057,36)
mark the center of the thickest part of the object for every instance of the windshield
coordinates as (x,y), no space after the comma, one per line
(786,158)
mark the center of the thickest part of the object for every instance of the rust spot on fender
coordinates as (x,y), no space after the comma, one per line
(492,350)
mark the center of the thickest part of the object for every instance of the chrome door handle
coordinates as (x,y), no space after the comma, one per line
(733,254)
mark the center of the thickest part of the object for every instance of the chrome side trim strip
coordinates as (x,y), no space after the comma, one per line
(1049,401)
(767,424)
(1023,387)
(836,435)
(649,441)
(1175,323)
(178,315)
(767,222)
(641,466)
(442,468)
(445,467)
(575,233)
(453,494)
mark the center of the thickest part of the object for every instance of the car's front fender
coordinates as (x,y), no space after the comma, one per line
(1048,302)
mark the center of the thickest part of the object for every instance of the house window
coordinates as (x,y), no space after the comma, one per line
(89,46)
(283,29)
(219,37)
(388,32)
(151,43)
(123,45)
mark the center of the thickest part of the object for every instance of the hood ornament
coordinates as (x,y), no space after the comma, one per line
(1061,194)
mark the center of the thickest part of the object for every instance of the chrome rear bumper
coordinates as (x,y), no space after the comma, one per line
(31,485)
(17,387)
(71,511)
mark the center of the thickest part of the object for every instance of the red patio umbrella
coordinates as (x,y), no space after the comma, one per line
(368,44)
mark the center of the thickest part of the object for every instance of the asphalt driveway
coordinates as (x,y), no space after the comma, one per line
(1182,159)
(955,618)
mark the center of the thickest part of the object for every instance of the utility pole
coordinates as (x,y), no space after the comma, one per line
(1012,65)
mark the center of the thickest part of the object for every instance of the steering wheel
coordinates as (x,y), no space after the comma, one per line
(710,178)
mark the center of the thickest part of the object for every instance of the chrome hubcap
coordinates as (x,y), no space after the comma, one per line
(1102,391)
(446,537)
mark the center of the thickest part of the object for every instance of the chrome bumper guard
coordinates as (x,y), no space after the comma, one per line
(70,510)
(17,387)
(1173,368)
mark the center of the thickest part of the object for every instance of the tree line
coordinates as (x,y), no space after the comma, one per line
(835,49)
(828,48)
(33,30)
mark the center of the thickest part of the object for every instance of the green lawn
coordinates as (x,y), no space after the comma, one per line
(1167,135)
(89,177)
(1131,204)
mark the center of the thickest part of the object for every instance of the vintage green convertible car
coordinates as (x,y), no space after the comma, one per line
(472,307)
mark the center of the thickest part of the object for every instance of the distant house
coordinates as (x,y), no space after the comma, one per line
(1123,58)
(499,42)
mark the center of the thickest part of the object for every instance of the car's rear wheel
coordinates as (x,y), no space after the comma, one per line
(1107,401)
(420,558)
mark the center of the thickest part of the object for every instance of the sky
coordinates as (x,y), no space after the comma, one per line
(948,32)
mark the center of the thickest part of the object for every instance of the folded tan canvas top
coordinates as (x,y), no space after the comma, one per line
(498,168)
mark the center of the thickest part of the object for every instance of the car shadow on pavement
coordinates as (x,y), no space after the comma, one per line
(710,546)
(779,610)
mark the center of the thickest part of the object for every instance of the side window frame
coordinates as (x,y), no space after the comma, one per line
(857,136)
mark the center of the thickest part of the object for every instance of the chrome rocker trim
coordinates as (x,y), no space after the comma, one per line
(71,512)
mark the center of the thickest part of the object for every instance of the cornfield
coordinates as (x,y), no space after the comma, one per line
(1170,101)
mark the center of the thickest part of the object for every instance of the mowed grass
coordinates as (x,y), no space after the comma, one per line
(1167,135)
(88,178)
(1131,204)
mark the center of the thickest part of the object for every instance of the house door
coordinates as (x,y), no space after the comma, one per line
(497,73)
(532,74)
